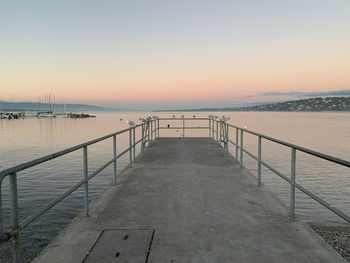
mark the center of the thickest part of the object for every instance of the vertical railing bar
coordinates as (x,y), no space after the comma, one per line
(115,160)
(148,134)
(292,187)
(227,127)
(142,137)
(237,144)
(217,131)
(158,127)
(155,129)
(14,217)
(134,146)
(86,185)
(220,133)
(151,131)
(259,161)
(130,148)
(183,128)
(241,162)
(1,214)
(213,128)
(220,124)
(209,127)
(223,134)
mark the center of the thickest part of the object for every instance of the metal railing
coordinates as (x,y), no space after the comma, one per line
(183,127)
(147,132)
(222,131)
(218,130)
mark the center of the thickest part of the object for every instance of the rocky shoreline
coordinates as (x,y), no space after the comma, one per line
(338,237)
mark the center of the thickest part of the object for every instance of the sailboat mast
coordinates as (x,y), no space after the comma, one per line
(50,102)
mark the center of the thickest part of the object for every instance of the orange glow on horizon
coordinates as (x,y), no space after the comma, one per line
(119,51)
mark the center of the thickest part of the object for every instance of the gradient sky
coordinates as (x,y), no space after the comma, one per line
(167,53)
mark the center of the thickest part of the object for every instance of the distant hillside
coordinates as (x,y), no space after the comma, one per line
(36,106)
(315,104)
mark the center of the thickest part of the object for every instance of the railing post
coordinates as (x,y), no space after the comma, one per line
(148,132)
(226,137)
(2,234)
(142,137)
(213,129)
(241,163)
(292,187)
(223,134)
(158,127)
(151,131)
(237,144)
(134,146)
(220,133)
(155,129)
(14,217)
(217,131)
(183,128)
(86,184)
(115,160)
(209,127)
(259,161)
(130,147)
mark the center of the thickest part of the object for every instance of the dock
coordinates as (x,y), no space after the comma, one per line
(187,200)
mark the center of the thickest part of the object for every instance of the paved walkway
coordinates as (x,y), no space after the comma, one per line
(186,200)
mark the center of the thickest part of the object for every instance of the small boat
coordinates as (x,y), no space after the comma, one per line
(61,115)
(29,114)
(45,114)
(3,116)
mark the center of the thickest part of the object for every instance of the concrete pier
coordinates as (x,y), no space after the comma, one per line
(186,200)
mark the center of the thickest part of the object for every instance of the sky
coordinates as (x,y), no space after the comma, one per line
(170,54)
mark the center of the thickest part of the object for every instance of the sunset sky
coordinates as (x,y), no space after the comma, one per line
(172,53)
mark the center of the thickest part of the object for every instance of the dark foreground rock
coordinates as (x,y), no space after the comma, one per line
(338,237)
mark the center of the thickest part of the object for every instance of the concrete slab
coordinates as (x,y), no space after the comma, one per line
(121,246)
(203,207)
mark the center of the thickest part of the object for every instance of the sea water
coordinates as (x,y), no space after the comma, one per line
(26,139)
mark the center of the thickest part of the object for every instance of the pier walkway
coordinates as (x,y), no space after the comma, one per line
(187,200)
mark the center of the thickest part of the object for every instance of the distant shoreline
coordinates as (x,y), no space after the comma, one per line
(213,110)
(328,104)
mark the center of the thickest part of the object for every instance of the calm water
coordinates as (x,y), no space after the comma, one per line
(24,140)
